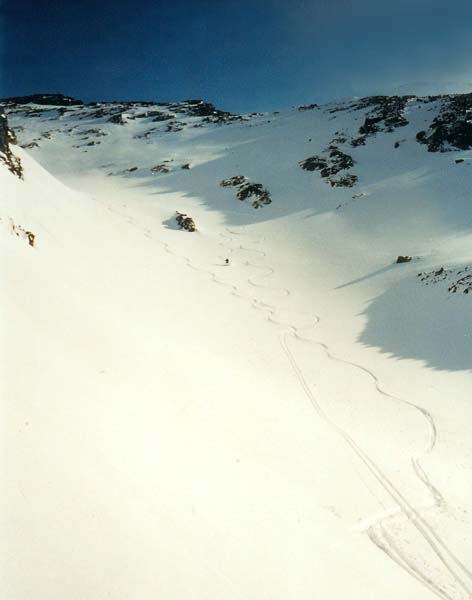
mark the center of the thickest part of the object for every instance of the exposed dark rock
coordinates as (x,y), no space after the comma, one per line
(30,145)
(339,161)
(146,135)
(185,222)
(344,181)
(19,231)
(199,108)
(43,99)
(174,126)
(261,196)
(421,137)
(156,114)
(186,166)
(222,118)
(386,115)
(233,181)
(99,113)
(94,131)
(7,137)
(459,160)
(163,117)
(162,167)
(254,190)
(314,163)
(307,107)
(461,279)
(403,259)
(452,128)
(336,162)
(118,119)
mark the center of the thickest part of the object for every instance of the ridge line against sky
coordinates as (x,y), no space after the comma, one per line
(243,55)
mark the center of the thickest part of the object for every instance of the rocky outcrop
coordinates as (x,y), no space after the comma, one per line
(330,166)
(452,128)
(259,194)
(199,108)
(386,114)
(8,137)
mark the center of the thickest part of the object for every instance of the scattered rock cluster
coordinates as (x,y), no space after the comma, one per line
(166,167)
(185,222)
(384,113)
(256,191)
(94,131)
(462,279)
(19,231)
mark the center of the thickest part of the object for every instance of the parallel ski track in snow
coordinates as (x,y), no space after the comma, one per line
(377,531)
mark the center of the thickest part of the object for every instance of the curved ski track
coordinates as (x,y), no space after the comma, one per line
(377,531)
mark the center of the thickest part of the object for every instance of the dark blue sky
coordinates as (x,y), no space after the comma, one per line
(243,55)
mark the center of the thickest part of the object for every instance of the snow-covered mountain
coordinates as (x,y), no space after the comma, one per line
(178,426)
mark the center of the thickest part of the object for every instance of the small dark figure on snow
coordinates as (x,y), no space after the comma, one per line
(226,261)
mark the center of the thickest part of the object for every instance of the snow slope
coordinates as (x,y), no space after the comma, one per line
(176,427)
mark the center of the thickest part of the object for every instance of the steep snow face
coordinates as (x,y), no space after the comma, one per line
(260,428)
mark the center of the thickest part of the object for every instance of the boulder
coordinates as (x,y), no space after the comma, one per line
(185,222)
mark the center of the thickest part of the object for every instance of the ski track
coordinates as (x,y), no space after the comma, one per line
(377,531)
